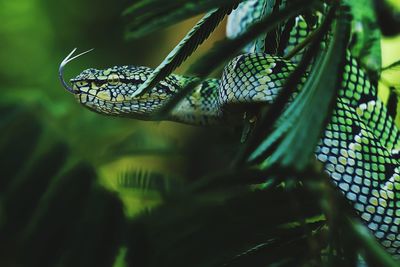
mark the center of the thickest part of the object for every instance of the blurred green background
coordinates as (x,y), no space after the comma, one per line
(37,34)
(139,161)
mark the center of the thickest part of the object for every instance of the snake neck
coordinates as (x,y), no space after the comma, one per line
(201,107)
(248,82)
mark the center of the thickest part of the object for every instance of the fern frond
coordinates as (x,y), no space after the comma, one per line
(196,36)
(229,48)
(273,124)
(309,112)
(150,15)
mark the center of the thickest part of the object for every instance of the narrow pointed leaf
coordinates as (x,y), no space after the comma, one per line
(315,102)
(393,103)
(393,66)
(229,48)
(271,126)
(196,36)
(149,16)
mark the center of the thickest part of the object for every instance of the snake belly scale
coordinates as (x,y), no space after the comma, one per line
(359,147)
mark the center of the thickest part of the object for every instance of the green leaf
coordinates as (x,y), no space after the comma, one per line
(394,66)
(23,195)
(393,102)
(366,36)
(229,48)
(387,16)
(312,107)
(248,229)
(376,255)
(196,36)
(271,124)
(151,15)
(20,132)
(96,240)
(54,218)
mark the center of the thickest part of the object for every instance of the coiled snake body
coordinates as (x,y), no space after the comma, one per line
(359,148)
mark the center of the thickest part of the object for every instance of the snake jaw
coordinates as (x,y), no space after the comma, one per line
(68,59)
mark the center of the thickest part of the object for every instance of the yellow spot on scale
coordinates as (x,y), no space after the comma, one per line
(373,201)
(105,95)
(375,193)
(263,79)
(267,71)
(84,89)
(355,147)
(370,209)
(262,88)
(382,203)
(389,186)
(259,96)
(343,160)
(93,92)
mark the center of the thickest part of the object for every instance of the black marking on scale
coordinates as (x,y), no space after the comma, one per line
(392,103)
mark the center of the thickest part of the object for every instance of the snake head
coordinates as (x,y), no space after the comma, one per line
(109,91)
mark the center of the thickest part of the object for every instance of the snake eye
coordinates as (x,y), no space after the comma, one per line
(113,79)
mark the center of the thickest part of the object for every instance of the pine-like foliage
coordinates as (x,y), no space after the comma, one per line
(285,214)
(242,213)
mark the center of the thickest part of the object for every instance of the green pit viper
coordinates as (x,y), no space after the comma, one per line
(359,147)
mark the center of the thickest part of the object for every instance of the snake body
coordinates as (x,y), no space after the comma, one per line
(359,147)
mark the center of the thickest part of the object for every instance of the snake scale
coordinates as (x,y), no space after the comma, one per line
(359,147)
